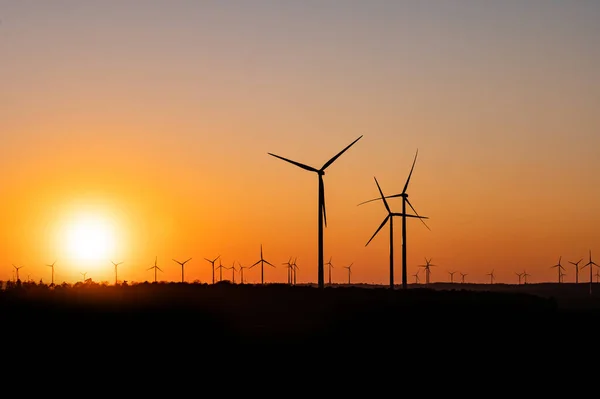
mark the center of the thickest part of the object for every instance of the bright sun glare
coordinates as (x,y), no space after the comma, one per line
(90,238)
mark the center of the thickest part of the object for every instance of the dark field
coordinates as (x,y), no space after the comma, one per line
(278,314)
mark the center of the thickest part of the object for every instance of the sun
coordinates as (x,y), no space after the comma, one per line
(89,238)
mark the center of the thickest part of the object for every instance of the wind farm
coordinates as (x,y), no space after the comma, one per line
(185,132)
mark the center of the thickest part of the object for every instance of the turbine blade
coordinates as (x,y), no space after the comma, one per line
(377,231)
(382,196)
(379,199)
(309,168)
(408,215)
(340,153)
(410,174)
(322,198)
(416,213)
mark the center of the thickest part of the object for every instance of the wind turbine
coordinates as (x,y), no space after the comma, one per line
(404,215)
(560,268)
(349,267)
(212,262)
(390,217)
(322,213)
(289,266)
(155,267)
(590,264)
(576,264)
(233,270)
(262,262)
(451,276)
(241,269)
(520,275)
(182,265)
(116,265)
(330,265)
(83,274)
(525,275)
(52,266)
(462,277)
(220,268)
(17,269)
(562,276)
(492,277)
(427,266)
(295,269)
(416,276)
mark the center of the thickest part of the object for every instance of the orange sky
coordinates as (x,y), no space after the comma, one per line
(158,120)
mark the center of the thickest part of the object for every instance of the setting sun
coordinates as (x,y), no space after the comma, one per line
(89,238)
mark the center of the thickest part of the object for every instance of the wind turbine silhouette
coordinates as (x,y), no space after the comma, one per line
(241,269)
(427,266)
(590,264)
(322,213)
(295,269)
(416,276)
(520,275)
(289,267)
(562,276)
(462,277)
(233,270)
(492,277)
(155,267)
(389,217)
(576,264)
(262,262)
(560,268)
(17,269)
(212,262)
(116,265)
(220,269)
(330,265)
(451,276)
(83,274)
(349,267)
(525,275)
(52,266)
(182,265)
(404,215)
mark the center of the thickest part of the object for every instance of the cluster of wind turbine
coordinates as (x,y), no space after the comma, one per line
(321,204)
(427,267)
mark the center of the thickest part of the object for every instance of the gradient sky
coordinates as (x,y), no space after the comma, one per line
(157,116)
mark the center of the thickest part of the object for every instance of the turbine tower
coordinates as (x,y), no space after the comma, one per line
(52,266)
(212,262)
(262,262)
(389,217)
(322,214)
(349,267)
(560,269)
(576,264)
(116,265)
(591,263)
(329,266)
(405,201)
(182,265)
(155,267)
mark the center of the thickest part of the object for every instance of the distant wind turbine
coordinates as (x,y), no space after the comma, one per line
(220,269)
(212,262)
(295,269)
(349,267)
(182,265)
(241,269)
(52,266)
(289,266)
(329,266)
(576,264)
(116,266)
(560,268)
(322,213)
(519,275)
(390,217)
(462,277)
(492,277)
(427,266)
(451,276)
(17,269)
(233,270)
(155,267)
(83,274)
(416,276)
(405,201)
(525,275)
(262,262)
(591,263)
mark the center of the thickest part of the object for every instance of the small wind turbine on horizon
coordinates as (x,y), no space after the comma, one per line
(241,269)
(52,266)
(220,269)
(525,275)
(462,277)
(590,264)
(156,268)
(182,265)
(404,215)
(492,277)
(562,276)
(233,270)
(416,276)
(560,269)
(329,266)
(212,262)
(349,267)
(116,266)
(83,274)
(295,269)
(17,268)
(520,275)
(576,264)
(321,200)
(262,262)
(427,266)
(289,266)
(390,217)
(451,277)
